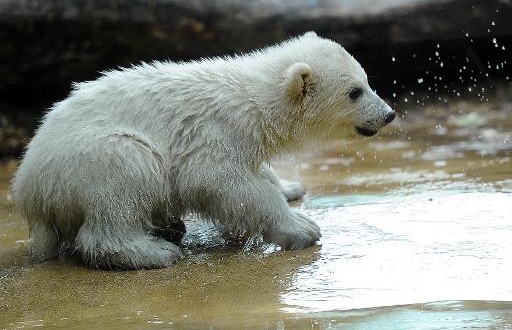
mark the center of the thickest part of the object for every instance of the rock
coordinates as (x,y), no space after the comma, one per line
(47,44)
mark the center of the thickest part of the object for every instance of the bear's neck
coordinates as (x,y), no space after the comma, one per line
(237,103)
(276,128)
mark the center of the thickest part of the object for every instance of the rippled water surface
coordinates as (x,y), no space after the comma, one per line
(416,227)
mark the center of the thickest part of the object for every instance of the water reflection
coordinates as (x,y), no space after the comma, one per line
(403,249)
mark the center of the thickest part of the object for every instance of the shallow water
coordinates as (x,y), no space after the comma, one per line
(416,234)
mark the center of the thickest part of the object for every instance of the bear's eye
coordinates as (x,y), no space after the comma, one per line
(355,93)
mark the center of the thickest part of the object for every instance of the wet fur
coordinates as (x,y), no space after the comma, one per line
(114,167)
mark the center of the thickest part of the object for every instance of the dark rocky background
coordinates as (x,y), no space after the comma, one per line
(416,51)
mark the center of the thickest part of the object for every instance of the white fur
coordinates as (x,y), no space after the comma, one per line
(139,147)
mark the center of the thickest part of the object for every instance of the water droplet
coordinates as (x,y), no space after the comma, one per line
(442,64)
(393,59)
(492,23)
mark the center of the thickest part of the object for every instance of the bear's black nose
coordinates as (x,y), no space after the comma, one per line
(390,117)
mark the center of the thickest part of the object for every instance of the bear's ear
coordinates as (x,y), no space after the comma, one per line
(299,81)
(310,34)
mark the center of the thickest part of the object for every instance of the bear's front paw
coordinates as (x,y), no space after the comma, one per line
(295,233)
(292,190)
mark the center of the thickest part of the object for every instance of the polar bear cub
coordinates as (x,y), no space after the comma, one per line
(114,167)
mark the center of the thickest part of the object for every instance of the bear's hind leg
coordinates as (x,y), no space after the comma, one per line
(123,247)
(125,182)
(44,241)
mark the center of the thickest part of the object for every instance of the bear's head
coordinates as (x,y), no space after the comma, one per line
(328,90)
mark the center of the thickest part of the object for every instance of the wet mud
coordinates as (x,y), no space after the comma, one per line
(416,234)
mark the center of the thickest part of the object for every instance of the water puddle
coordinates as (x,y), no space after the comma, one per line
(407,249)
(416,234)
